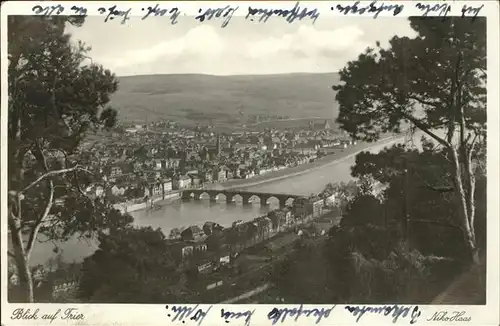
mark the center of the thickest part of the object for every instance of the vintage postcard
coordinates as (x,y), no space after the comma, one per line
(250,163)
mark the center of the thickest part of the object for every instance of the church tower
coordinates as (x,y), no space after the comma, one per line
(217,146)
(327,125)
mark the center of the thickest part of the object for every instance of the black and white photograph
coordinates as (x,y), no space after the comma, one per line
(335,161)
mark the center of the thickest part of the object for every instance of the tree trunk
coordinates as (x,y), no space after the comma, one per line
(468,230)
(25,277)
(26,280)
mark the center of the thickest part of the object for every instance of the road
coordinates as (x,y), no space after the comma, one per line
(291,119)
(468,288)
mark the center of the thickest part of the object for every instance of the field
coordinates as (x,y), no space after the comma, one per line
(224,100)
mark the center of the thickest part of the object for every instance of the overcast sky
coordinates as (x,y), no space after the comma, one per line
(153,46)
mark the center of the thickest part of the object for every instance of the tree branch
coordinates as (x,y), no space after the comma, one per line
(440,189)
(40,221)
(421,101)
(435,222)
(483,71)
(75,175)
(53,173)
(471,148)
(425,129)
(48,206)
(11,254)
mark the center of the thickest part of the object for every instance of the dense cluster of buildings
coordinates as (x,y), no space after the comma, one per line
(205,256)
(146,162)
(203,252)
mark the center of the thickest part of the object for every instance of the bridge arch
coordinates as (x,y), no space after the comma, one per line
(237,197)
(204,195)
(271,198)
(253,197)
(221,195)
(188,194)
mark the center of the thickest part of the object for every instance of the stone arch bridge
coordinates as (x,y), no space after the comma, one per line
(230,194)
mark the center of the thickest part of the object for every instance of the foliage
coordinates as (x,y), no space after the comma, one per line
(381,89)
(419,182)
(277,216)
(393,279)
(436,80)
(301,207)
(233,238)
(364,210)
(302,276)
(366,256)
(344,192)
(175,233)
(55,97)
(131,266)
(251,232)
(215,240)
(370,265)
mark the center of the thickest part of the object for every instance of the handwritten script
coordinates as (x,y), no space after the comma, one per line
(374,8)
(156,11)
(228,315)
(255,13)
(183,313)
(281,314)
(226,13)
(395,311)
(290,15)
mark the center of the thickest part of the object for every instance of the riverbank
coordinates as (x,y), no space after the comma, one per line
(343,154)
(158,201)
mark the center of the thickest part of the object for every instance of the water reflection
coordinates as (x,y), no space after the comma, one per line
(182,213)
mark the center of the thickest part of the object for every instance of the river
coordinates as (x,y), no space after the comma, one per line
(185,213)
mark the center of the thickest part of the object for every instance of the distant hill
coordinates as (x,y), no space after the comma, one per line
(192,98)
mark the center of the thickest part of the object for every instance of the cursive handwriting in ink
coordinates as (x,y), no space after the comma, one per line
(157,11)
(290,15)
(114,12)
(443,9)
(227,315)
(277,313)
(181,312)
(227,12)
(372,8)
(79,11)
(48,10)
(455,316)
(471,10)
(397,311)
